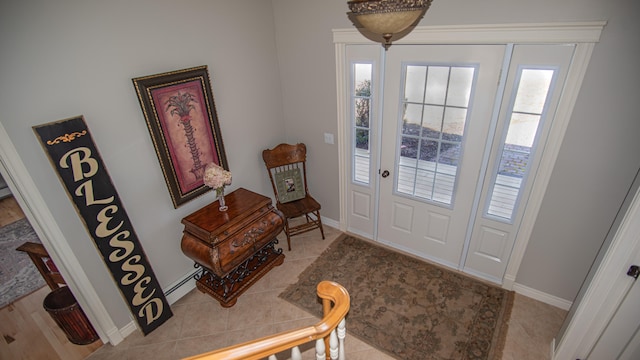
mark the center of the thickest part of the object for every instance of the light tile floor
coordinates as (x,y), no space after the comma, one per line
(200,324)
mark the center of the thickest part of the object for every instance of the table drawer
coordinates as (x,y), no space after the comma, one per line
(234,246)
(249,239)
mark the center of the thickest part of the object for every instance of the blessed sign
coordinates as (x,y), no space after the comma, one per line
(74,155)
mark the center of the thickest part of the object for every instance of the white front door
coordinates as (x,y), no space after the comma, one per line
(438,105)
(432,137)
(444,146)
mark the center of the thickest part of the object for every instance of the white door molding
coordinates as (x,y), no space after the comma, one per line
(584,34)
(606,290)
(536,33)
(32,204)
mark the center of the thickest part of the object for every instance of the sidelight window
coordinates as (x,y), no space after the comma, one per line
(361,102)
(526,117)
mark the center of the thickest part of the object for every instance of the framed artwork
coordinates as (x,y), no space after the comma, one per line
(289,185)
(181,116)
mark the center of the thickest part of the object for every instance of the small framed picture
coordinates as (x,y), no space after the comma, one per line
(290,186)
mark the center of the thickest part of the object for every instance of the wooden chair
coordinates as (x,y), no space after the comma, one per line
(286,165)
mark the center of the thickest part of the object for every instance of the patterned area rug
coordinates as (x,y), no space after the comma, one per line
(18,275)
(408,308)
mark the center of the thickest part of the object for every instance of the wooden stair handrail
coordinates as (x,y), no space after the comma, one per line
(328,291)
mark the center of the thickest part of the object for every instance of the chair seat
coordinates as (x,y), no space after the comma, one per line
(300,207)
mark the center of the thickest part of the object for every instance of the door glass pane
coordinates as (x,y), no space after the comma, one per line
(534,86)
(409,151)
(429,151)
(522,129)
(412,119)
(424,183)
(361,105)
(433,130)
(460,86)
(437,84)
(453,124)
(450,155)
(414,87)
(432,124)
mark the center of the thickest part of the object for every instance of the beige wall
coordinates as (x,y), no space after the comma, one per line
(597,162)
(65,58)
(273,75)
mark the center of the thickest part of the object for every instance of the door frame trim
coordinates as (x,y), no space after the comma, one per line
(583,34)
(487,34)
(606,286)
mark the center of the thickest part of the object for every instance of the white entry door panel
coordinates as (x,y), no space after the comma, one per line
(621,338)
(533,89)
(438,105)
(364,64)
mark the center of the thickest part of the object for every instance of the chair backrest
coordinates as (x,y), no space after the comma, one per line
(287,168)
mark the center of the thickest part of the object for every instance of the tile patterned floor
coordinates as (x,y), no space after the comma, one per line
(200,324)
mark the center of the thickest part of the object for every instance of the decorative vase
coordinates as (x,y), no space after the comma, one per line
(220,195)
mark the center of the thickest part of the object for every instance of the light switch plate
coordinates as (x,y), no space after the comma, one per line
(328,138)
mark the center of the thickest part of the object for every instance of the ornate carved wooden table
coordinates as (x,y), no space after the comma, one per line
(234,248)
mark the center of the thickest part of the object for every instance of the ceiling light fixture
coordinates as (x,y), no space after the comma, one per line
(387,17)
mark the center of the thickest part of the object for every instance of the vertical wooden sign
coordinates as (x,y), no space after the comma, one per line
(75,157)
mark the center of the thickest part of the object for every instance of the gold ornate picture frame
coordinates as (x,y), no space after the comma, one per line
(179,109)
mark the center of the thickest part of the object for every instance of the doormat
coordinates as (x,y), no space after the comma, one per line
(406,307)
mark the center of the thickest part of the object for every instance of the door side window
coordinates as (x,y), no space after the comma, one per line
(361,102)
(527,113)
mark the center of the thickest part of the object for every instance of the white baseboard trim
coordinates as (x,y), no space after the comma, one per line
(508,282)
(541,296)
(116,336)
(330,222)
(128,329)
(175,292)
(181,287)
(182,291)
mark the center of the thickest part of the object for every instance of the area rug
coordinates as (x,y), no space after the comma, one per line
(18,276)
(406,307)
